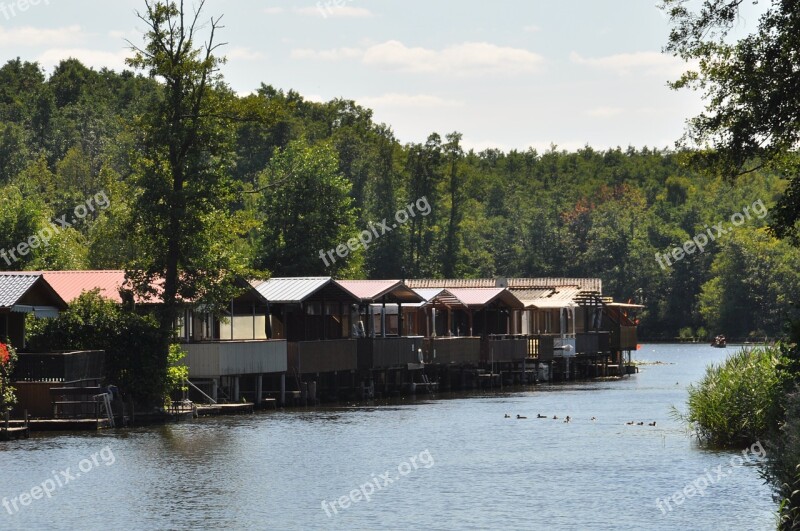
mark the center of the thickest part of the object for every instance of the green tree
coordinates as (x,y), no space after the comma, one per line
(306,211)
(184,193)
(750,87)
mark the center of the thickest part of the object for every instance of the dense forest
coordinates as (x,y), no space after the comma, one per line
(302,178)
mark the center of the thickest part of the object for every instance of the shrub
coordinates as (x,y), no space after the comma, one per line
(734,403)
(136,350)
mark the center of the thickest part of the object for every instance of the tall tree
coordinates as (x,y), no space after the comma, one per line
(185,192)
(752,115)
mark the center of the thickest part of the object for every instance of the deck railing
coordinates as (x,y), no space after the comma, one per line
(230,358)
(453,350)
(323,356)
(386,352)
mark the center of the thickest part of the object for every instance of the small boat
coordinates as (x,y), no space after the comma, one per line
(719,342)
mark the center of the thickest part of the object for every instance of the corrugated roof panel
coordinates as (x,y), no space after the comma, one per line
(530,294)
(13,287)
(71,284)
(375,290)
(586,284)
(291,290)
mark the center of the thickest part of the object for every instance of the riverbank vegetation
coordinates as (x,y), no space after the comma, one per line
(750,125)
(731,406)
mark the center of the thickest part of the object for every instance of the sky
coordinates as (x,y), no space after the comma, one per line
(507,74)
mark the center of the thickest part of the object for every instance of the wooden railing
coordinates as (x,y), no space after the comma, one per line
(623,337)
(453,350)
(385,352)
(504,349)
(229,358)
(323,356)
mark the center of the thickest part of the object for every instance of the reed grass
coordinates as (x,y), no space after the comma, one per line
(734,403)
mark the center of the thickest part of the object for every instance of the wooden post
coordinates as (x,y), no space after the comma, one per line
(259,388)
(283,388)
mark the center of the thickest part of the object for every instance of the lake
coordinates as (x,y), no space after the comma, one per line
(454,462)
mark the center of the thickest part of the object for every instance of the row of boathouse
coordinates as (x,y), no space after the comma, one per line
(306,339)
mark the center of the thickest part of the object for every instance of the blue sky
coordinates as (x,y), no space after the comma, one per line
(505,73)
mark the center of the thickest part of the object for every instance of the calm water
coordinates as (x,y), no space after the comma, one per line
(474,468)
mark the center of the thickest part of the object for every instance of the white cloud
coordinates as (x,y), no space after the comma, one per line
(416,101)
(325,10)
(91,58)
(245,54)
(605,112)
(30,36)
(471,58)
(334,54)
(649,63)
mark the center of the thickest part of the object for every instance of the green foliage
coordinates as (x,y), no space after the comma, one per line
(754,280)
(8,360)
(686,333)
(750,89)
(305,208)
(177,371)
(136,350)
(732,405)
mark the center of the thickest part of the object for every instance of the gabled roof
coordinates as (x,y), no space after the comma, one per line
(439,297)
(71,284)
(480,297)
(296,290)
(29,292)
(14,286)
(392,291)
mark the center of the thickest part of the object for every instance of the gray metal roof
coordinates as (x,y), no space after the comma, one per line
(13,286)
(291,290)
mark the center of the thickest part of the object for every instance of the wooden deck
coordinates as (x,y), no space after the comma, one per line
(14,433)
(225,409)
(68,424)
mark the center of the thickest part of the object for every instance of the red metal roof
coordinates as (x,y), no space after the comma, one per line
(70,284)
(375,290)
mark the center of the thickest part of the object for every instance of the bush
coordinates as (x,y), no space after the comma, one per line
(686,333)
(734,403)
(136,350)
